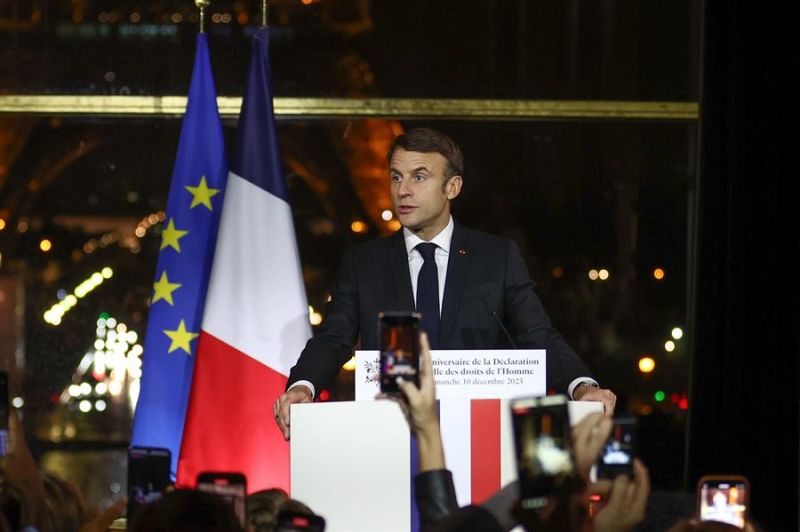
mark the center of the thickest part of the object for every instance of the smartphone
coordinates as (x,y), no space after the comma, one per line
(398,333)
(543,442)
(620,449)
(723,498)
(290,521)
(4,412)
(148,476)
(232,487)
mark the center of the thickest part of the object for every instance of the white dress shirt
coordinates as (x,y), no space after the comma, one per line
(442,255)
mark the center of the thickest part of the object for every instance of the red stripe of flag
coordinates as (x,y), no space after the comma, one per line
(485,459)
(229,423)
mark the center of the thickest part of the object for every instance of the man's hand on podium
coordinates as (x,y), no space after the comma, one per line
(297,394)
(601,395)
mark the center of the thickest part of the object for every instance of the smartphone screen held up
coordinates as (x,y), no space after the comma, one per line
(723,498)
(398,334)
(542,438)
(148,476)
(231,487)
(620,449)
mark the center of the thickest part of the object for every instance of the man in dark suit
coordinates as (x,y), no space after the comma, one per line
(478,281)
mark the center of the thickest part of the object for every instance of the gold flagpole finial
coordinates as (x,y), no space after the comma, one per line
(264,13)
(202,4)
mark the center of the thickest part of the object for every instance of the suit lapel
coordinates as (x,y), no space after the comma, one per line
(398,260)
(458,264)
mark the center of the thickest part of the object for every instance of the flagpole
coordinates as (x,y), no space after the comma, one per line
(263,13)
(202,4)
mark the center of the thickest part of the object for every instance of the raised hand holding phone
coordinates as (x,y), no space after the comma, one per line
(624,509)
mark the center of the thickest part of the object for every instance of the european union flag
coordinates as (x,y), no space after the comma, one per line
(184,264)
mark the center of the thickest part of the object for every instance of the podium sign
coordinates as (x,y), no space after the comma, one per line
(468,374)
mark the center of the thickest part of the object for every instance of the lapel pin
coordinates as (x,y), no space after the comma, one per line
(462,251)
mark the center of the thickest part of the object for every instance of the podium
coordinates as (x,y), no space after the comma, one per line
(351,461)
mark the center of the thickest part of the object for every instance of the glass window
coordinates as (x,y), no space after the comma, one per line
(596,208)
(529,49)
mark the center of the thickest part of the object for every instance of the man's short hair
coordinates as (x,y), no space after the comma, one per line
(426,140)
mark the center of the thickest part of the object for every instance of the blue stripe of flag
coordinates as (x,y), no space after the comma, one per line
(258,158)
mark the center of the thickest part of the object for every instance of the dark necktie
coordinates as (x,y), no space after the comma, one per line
(428,292)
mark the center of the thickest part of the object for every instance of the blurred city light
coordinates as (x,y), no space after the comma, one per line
(56,312)
(111,366)
(358,227)
(314,317)
(647,364)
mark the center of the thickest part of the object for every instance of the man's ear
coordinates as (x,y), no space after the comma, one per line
(453,186)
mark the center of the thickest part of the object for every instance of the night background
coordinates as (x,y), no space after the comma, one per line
(577,195)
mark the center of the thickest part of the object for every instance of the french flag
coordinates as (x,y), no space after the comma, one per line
(256,314)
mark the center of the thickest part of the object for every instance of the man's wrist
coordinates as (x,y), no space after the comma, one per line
(429,432)
(431,451)
(306,385)
(582,387)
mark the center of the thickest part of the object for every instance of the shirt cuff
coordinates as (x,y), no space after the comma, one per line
(307,384)
(574,384)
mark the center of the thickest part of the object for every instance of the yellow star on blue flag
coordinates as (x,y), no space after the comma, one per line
(202,194)
(180,338)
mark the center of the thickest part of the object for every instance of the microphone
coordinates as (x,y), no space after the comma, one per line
(551,352)
(499,322)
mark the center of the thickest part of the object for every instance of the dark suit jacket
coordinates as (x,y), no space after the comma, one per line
(485,274)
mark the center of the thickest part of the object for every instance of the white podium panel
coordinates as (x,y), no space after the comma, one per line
(350,462)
